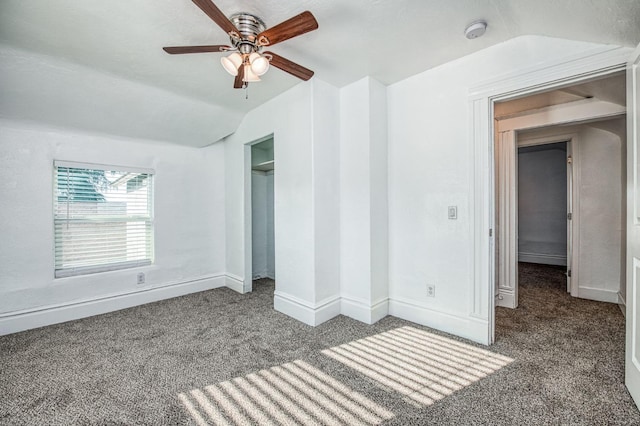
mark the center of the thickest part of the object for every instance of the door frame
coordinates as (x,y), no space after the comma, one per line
(507,141)
(247,285)
(506,200)
(632,337)
(573,197)
(506,232)
(598,62)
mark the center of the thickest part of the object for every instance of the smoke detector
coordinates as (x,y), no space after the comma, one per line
(475,29)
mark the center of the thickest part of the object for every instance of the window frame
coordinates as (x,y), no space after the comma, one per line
(103,267)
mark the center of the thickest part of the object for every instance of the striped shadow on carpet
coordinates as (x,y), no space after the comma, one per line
(422,366)
(293,393)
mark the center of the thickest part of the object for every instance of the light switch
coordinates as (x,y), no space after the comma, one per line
(453,212)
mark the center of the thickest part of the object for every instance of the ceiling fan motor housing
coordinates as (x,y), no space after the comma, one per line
(249,26)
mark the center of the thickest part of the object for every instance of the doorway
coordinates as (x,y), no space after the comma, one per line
(262,213)
(593,131)
(544,204)
(482,100)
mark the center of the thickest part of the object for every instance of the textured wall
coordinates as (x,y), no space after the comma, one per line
(188,212)
(431,167)
(601,220)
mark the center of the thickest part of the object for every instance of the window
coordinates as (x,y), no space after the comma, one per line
(103,218)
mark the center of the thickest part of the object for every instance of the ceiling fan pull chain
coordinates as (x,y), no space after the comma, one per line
(246,91)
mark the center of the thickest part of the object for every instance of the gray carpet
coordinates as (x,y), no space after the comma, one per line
(557,360)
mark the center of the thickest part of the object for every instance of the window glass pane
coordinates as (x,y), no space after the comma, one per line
(102,220)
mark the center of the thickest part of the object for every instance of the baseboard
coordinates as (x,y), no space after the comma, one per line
(304,311)
(234,282)
(506,300)
(622,304)
(361,311)
(545,259)
(474,329)
(599,295)
(34,318)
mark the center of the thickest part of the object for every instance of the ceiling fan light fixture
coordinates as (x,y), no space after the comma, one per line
(259,64)
(249,75)
(248,35)
(231,63)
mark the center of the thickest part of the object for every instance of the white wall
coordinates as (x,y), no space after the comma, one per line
(355,193)
(363,201)
(380,195)
(325,166)
(542,204)
(601,220)
(304,123)
(288,118)
(619,128)
(188,212)
(431,167)
(263,250)
(329,194)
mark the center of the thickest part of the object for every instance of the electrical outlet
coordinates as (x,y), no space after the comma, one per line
(431,291)
(141,277)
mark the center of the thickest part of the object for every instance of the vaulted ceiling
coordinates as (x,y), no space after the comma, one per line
(387,40)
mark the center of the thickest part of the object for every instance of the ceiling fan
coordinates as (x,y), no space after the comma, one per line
(249,35)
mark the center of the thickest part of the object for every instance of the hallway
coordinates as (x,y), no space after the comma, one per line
(571,350)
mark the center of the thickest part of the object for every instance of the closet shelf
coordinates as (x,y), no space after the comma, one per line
(264,167)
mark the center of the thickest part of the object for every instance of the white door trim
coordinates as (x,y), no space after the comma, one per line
(506,197)
(506,217)
(247,281)
(632,350)
(597,62)
(573,198)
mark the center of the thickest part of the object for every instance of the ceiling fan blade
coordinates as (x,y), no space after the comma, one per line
(299,24)
(196,49)
(290,67)
(238,83)
(217,16)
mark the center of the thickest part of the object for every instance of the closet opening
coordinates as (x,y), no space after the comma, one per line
(543,203)
(262,214)
(545,212)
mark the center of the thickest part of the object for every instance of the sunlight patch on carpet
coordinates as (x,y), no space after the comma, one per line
(293,393)
(423,366)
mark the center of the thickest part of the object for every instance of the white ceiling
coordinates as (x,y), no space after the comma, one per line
(388,40)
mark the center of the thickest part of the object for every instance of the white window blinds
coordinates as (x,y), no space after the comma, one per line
(103,218)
